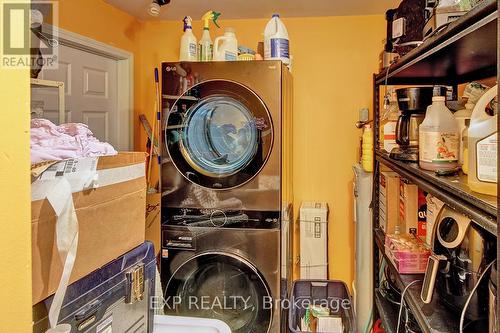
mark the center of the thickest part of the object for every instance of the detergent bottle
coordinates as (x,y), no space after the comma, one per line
(188,51)
(483,132)
(439,138)
(226,47)
(367,151)
(276,42)
(205,45)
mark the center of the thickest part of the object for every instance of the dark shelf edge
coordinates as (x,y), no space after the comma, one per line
(387,316)
(475,211)
(456,29)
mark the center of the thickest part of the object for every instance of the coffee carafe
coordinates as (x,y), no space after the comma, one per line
(412,102)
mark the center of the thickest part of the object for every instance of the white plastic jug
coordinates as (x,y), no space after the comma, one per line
(439,137)
(276,42)
(226,47)
(482,141)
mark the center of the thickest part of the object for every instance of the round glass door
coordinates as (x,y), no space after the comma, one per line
(224,287)
(221,138)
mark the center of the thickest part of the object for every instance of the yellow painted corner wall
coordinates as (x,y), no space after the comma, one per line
(15,200)
(334,59)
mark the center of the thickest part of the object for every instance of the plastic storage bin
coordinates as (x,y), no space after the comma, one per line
(174,324)
(333,294)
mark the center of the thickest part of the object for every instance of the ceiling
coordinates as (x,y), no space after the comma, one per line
(240,9)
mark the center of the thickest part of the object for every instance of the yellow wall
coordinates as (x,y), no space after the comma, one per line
(334,58)
(15,235)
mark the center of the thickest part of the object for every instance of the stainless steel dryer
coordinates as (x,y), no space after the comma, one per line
(226,182)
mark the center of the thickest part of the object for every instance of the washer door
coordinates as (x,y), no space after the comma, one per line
(222,139)
(222,286)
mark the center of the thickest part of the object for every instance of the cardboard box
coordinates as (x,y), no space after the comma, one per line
(389,201)
(110,217)
(412,209)
(314,240)
(153,220)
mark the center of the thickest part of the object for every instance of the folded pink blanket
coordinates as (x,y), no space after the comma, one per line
(50,142)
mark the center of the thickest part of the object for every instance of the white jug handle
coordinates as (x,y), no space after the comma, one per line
(216,43)
(478,112)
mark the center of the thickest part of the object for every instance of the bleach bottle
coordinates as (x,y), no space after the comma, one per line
(188,51)
(276,42)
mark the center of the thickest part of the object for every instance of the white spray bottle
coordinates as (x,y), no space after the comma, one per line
(205,45)
(188,51)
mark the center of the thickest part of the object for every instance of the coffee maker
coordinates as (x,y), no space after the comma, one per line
(461,252)
(413,103)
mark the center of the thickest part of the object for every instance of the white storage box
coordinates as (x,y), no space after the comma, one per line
(314,240)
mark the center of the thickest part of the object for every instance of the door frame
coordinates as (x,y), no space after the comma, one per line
(125,76)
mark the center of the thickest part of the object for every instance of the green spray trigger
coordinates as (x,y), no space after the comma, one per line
(215,17)
(210,15)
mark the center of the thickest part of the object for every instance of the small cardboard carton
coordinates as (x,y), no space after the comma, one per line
(413,207)
(111,222)
(389,201)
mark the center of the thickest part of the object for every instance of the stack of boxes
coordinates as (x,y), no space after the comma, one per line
(403,218)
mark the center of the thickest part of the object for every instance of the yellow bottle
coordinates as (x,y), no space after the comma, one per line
(367,151)
(483,133)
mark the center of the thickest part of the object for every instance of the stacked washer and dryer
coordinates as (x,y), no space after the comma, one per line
(227,195)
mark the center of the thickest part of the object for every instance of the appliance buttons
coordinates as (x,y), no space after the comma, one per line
(218,218)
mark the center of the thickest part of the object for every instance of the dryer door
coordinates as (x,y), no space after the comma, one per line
(221,286)
(221,138)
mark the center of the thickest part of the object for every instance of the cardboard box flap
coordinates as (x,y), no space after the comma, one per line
(120,160)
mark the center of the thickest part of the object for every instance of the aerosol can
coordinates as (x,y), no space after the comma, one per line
(188,51)
(205,46)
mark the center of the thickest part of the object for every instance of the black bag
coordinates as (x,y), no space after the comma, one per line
(412,12)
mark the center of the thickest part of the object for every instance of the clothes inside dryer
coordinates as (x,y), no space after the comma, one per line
(220,136)
(221,286)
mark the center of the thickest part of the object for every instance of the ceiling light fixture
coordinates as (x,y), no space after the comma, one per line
(154,7)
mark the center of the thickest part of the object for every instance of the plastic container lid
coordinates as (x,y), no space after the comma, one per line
(276,15)
(229,29)
(438,99)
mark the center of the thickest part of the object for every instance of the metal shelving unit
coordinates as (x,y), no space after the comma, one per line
(38,83)
(465,51)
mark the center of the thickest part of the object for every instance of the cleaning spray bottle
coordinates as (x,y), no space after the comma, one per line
(205,45)
(189,43)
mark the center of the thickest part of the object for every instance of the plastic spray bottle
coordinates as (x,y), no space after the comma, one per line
(188,51)
(205,45)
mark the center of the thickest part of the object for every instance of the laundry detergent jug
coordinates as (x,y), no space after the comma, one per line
(226,47)
(483,133)
(276,42)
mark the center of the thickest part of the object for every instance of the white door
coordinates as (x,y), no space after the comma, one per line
(91,92)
